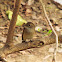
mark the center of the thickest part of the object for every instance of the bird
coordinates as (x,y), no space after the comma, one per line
(28,32)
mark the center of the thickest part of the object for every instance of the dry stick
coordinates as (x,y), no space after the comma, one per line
(4,27)
(14,3)
(9,40)
(52,30)
(21,46)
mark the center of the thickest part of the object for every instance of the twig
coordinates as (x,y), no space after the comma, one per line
(52,29)
(14,3)
(4,27)
(3,59)
(19,35)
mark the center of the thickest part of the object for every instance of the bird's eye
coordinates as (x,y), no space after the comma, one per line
(29,25)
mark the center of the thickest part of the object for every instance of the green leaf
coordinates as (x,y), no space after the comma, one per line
(9,13)
(20,20)
(50,31)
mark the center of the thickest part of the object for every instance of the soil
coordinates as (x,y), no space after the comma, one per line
(32,12)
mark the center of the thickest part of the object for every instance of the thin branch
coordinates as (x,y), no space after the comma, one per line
(23,46)
(9,40)
(51,28)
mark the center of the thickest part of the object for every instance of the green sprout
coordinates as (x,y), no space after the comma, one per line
(50,31)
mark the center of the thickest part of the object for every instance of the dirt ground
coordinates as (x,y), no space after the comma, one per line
(35,15)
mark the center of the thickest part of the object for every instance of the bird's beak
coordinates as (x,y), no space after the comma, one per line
(25,26)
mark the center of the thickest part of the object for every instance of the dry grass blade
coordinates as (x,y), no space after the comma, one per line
(51,28)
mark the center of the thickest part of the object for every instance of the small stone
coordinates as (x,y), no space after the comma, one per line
(57,28)
(51,49)
(38,29)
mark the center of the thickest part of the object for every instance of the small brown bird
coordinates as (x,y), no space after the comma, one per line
(28,32)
